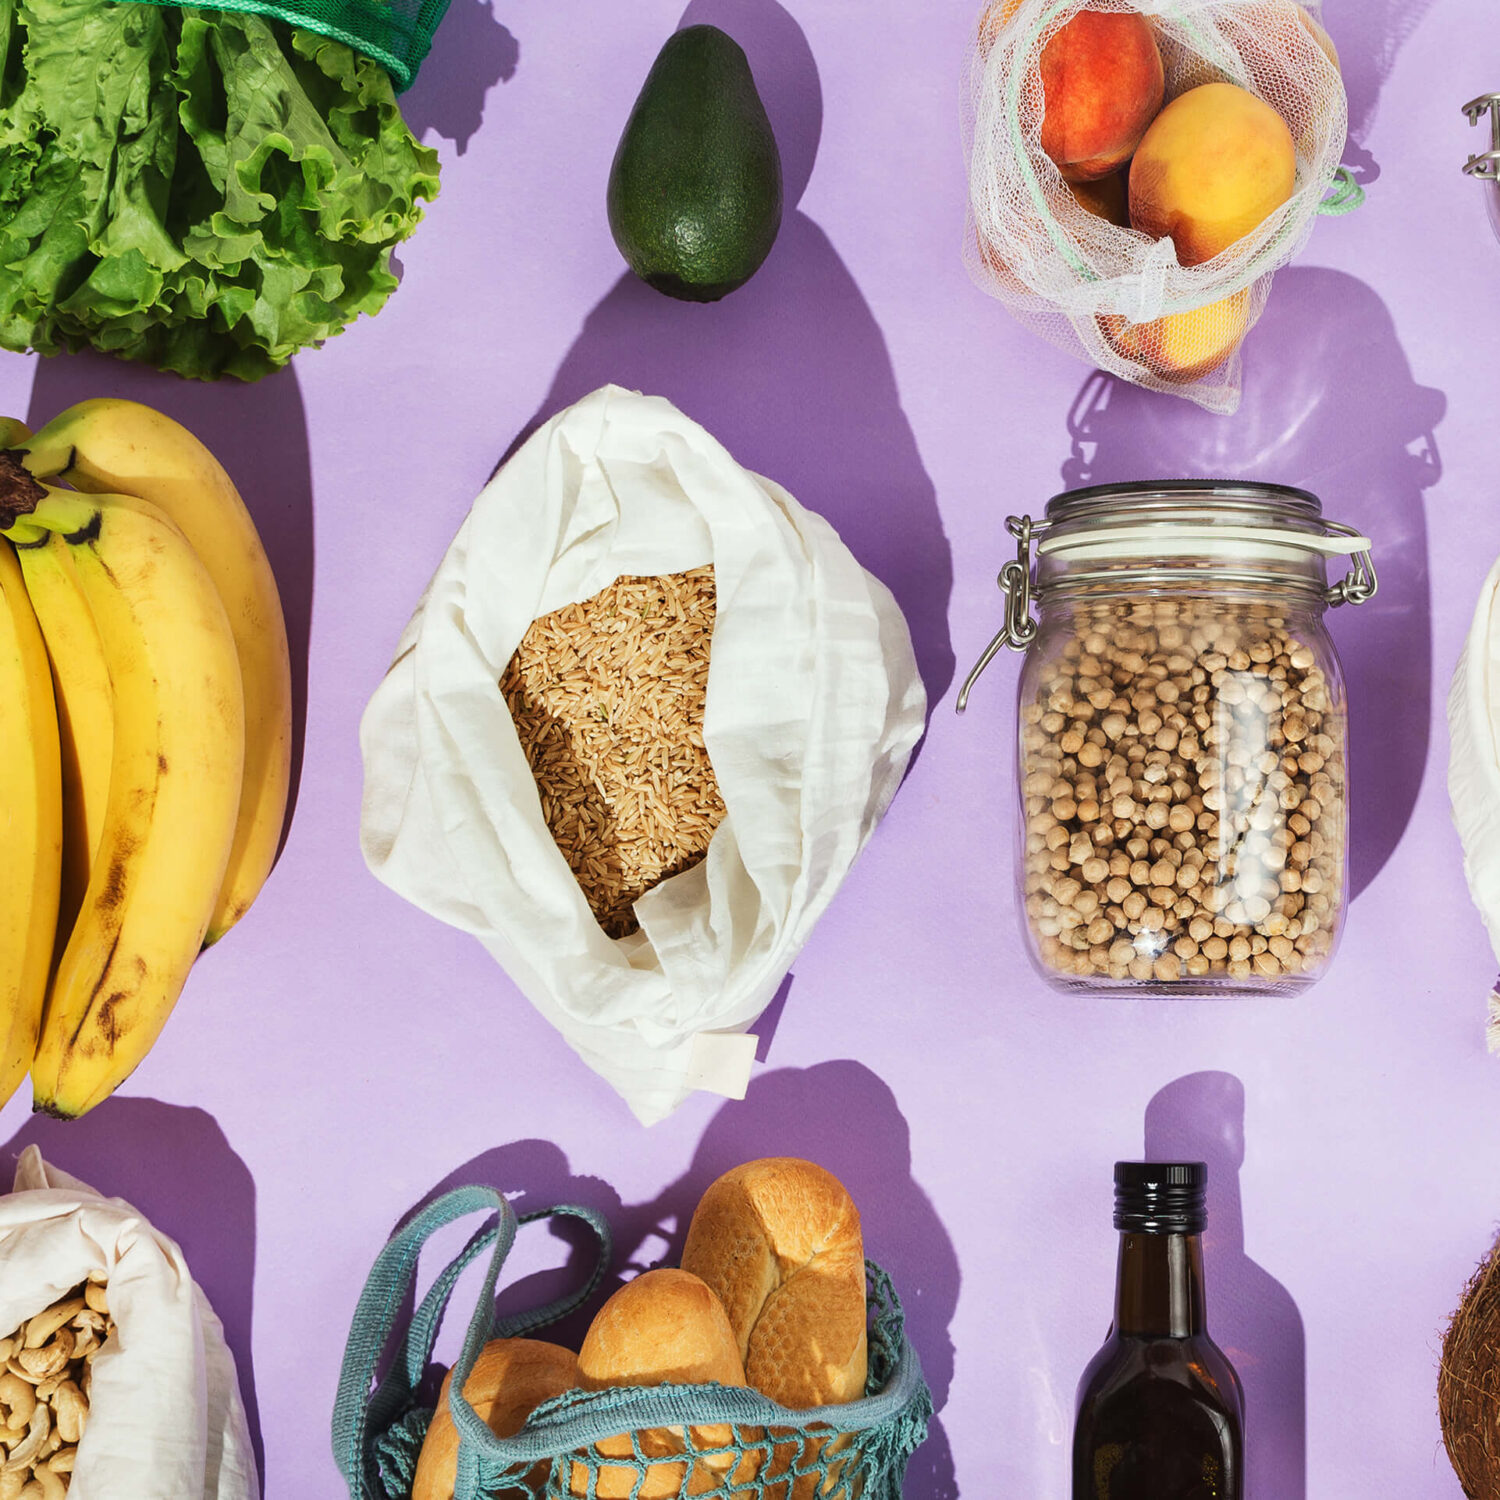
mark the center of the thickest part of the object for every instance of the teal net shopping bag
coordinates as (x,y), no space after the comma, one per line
(770,1452)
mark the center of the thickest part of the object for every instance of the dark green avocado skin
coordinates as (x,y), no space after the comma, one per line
(695,187)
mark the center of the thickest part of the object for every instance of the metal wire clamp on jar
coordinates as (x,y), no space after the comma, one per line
(1183,736)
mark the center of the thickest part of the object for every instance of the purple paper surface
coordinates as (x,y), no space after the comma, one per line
(341,1055)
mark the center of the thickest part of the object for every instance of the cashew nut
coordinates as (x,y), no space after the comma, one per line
(41,1363)
(11,1485)
(95,1296)
(71,1411)
(53,1485)
(15,1367)
(61,1462)
(45,1324)
(17,1401)
(26,1451)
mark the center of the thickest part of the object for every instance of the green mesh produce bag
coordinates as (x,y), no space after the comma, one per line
(855,1450)
(396,33)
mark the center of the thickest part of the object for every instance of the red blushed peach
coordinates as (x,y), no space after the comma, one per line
(1103,82)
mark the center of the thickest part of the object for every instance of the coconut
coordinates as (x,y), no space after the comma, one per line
(1469,1384)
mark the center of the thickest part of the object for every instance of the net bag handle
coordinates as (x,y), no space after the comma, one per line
(360,1416)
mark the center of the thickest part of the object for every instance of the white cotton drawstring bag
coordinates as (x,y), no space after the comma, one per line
(1113,296)
(813,708)
(1474,767)
(165,1421)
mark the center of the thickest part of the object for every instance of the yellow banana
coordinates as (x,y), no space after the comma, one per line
(177,769)
(113,446)
(85,711)
(30,825)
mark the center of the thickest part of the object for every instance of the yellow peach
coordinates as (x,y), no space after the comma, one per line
(1319,35)
(1211,166)
(1183,346)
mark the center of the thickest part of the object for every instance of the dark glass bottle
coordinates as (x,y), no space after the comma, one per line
(1160,1412)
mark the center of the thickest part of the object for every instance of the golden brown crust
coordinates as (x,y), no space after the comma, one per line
(779,1241)
(510,1379)
(665,1326)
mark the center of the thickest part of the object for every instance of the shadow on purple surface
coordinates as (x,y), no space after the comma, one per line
(259,433)
(471,53)
(1330,405)
(838,1114)
(1369,34)
(1251,1315)
(791,372)
(176,1167)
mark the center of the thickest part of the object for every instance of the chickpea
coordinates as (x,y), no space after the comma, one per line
(1182,783)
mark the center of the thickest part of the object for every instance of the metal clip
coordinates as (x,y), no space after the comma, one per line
(1485,164)
(1361,585)
(1019,629)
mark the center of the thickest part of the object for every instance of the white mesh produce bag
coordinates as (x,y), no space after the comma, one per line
(1101,291)
(813,708)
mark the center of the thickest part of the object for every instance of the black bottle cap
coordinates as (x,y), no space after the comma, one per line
(1161,1197)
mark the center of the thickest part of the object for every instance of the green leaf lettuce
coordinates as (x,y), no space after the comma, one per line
(206,191)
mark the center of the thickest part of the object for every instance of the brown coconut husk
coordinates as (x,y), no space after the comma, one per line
(1469,1384)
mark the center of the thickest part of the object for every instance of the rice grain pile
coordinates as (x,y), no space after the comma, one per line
(608,698)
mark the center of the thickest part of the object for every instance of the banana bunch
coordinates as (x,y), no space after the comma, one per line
(145,729)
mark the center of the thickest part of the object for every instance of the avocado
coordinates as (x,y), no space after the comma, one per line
(695,187)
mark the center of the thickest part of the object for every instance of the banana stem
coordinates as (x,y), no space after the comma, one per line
(30,509)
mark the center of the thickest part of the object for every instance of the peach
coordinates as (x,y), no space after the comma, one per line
(1213,164)
(993,22)
(1320,36)
(1107,198)
(1103,83)
(1184,346)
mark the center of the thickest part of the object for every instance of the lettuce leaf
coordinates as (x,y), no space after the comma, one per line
(206,191)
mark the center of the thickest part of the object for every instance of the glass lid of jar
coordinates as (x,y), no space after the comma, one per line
(1272,527)
(1198,533)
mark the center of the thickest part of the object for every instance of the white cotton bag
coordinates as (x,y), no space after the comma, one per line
(813,708)
(166,1421)
(1474,766)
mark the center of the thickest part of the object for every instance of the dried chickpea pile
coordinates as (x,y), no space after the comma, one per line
(44,1392)
(1183,785)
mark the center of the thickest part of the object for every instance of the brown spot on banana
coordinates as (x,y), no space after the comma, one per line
(108,1020)
(88,532)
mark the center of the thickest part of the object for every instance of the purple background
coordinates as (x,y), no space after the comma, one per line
(341,1055)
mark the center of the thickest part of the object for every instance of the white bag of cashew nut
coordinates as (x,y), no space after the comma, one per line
(117,1381)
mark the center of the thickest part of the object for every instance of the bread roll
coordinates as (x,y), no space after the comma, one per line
(664,1327)
(779,1241)
(510,1379)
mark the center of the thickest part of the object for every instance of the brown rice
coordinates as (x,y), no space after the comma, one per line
(608,697)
